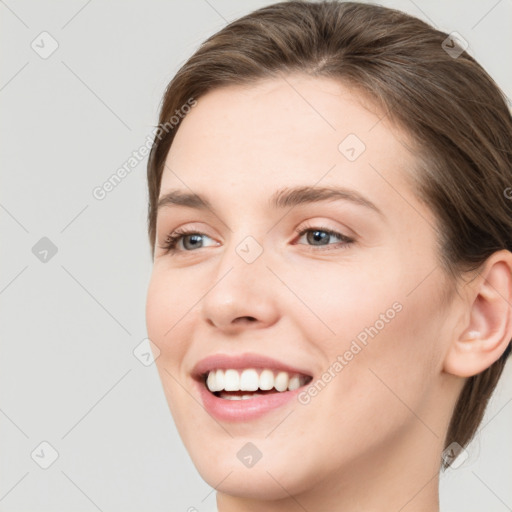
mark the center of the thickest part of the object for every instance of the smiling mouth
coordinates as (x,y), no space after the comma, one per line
(250,383)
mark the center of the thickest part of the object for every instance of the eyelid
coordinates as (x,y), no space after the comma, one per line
(193,226)
(177,235)
(345,240)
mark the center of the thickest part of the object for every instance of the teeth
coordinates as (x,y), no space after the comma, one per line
(266,380)
(219,379)
(211,383)
(249,380)
(294,383)
(281,381)
(231,380)
(236,397)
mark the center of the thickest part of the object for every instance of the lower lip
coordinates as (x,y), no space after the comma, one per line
(243,410)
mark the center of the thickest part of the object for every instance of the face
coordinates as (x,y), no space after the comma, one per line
(341,290)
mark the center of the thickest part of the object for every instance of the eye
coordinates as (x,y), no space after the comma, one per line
(319,236)
(189,239)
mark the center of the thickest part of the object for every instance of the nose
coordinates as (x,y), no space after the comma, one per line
(241,295)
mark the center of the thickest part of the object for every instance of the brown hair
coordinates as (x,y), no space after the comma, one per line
(455,113)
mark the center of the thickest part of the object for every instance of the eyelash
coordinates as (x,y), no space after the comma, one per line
(173,238)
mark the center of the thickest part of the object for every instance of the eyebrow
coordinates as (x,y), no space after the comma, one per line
(283,198)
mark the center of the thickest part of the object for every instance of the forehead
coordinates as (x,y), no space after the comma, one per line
(294,130)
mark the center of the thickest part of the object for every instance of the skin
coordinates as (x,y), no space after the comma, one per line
(372,438)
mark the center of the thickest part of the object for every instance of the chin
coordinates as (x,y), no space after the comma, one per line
(271,479)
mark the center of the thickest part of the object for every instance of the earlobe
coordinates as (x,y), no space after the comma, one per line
(488,330)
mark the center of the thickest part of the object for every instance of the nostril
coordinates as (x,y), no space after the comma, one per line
(244,319)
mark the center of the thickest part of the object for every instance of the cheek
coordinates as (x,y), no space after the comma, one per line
(389,359)
(383,300)
(339,301)
(156,309)
(378,395)
(380,347)
(166,316)
(168,326)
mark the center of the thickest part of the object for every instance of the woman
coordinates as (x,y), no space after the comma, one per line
(330,217)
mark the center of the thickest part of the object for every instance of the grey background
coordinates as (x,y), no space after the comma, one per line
(69,326)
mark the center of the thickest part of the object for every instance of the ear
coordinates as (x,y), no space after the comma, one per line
(487,331)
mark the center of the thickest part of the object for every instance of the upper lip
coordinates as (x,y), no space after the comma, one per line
(242,361)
